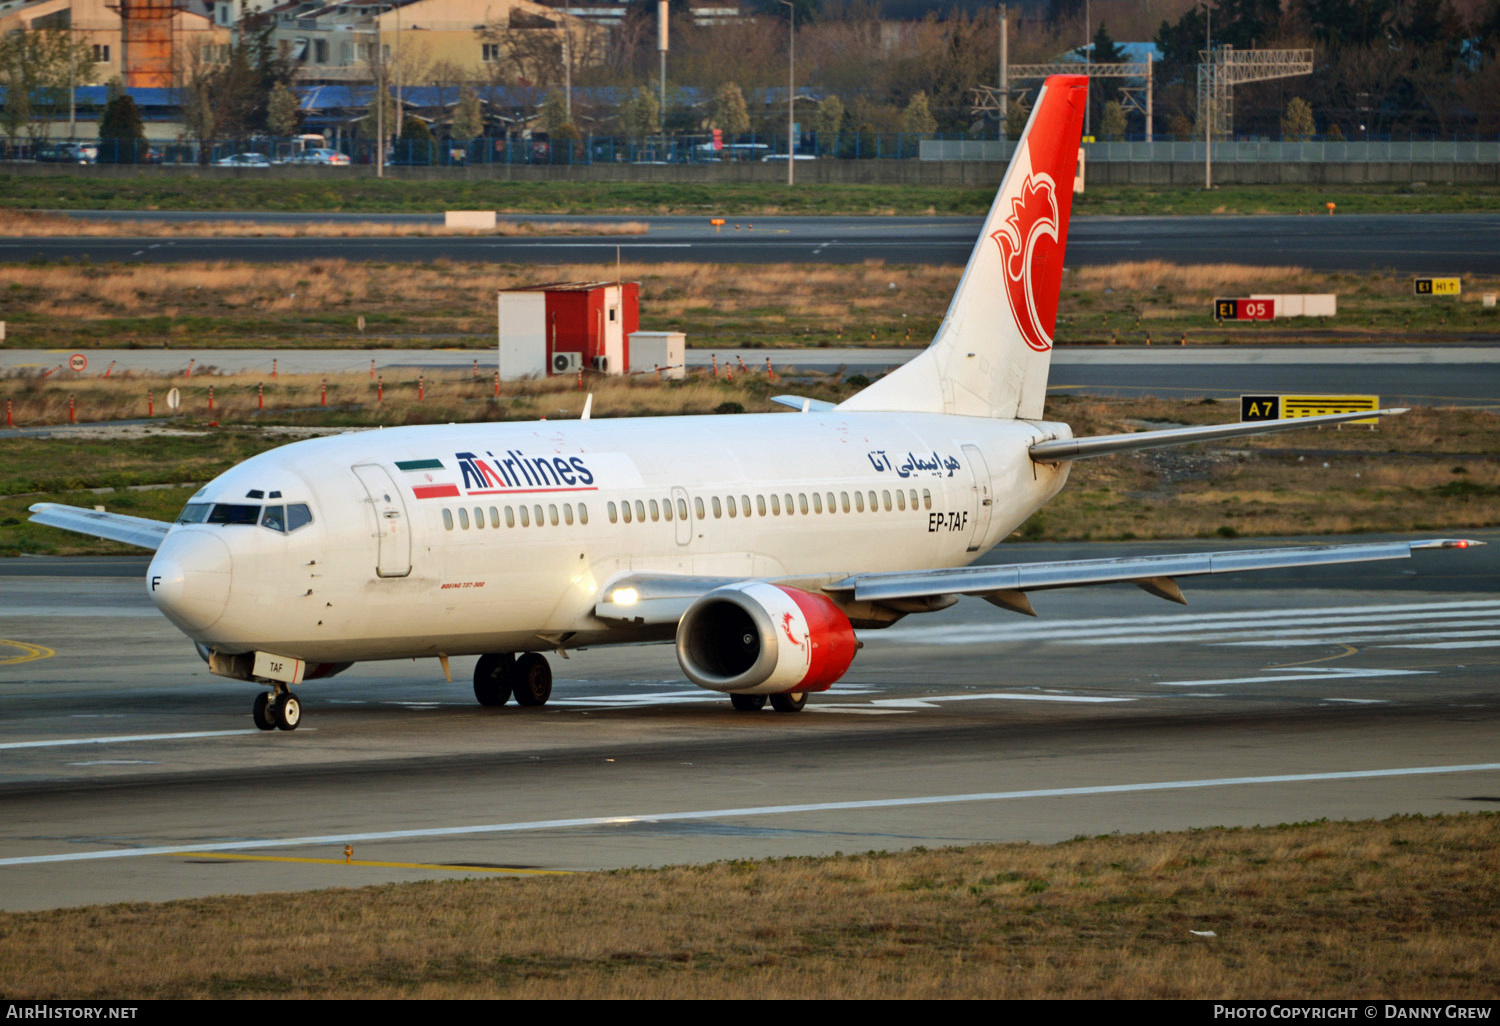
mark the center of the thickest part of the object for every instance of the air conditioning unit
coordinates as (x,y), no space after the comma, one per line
(601,364)
(563,363)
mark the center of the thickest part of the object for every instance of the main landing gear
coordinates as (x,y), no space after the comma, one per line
(499,675)
(277,710)
(792,702)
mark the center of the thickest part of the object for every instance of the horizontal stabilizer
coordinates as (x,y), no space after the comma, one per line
(1103,445)
(806,405)
(113,526)
(1144,570)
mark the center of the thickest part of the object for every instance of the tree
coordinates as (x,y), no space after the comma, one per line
(642,113)
(36,66)
(1015,119)
(828,120)
(468,116)
(729,112)
(283,113)
(917,119)
(122,133)
(1105,50)
(1297,122)
(1112,125)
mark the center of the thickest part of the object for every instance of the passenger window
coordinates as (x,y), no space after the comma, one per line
(842,495)
(655,510)
(297,515)
(775,505)
(625,511)
(698,505)
(729,501)
(640,511)
(817,502)
(525,518)
(536,512)
(831,507)
(463,518)
(900,500)
(583,513)
(681,509)
(912,495)
(886,495)
(802,503)
(612,514)
(926,499)
(510,516)
(760,505)
(745,504)
(789,504)
(447,519)
(568,513)
(478,516)
(274,517)
(494,517)
(552,514)
(873,504)
(718,508)
(859,502)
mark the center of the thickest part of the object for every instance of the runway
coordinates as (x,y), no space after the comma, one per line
(1406,244)
(127,772)
(1454,375)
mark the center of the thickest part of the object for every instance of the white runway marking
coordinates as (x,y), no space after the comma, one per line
(1309,673)
(123,738)
(754,810)
(1002,696)
(1449,644)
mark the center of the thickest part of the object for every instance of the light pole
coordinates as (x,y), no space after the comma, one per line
(72,76)
(791,89)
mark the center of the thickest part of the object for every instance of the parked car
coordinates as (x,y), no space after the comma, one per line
(67,153)
(244,160)
(331,158)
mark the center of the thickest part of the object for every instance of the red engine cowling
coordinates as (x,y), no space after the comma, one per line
(762,639)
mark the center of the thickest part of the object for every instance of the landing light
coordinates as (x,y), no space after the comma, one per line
(625,596)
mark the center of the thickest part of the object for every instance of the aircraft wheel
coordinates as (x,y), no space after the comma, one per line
(748,703)
(492,678)
(533,680)
(260,712)
(792,702)
(288,711)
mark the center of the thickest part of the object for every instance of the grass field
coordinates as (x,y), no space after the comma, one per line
(445,304)
(1430,470)
(1399,909)
(209,190)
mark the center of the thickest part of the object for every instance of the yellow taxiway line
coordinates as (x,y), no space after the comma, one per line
(358,862)
(29,651)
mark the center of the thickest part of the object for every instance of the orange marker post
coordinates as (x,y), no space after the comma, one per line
(210,397)
(260,397)
(150,404)
(71,418)
(323,394)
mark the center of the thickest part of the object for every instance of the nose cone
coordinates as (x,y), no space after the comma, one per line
(189,579)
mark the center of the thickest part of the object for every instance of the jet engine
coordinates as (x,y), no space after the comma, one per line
(762,639)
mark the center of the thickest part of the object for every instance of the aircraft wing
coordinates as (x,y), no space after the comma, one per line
(1061,449)
(114,526)
(641,599)
(1007,584)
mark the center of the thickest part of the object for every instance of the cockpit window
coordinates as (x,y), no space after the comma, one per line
(233,513)
(274,518)
(194,512)
(298,515)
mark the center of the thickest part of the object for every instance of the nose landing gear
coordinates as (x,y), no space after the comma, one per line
(277,710)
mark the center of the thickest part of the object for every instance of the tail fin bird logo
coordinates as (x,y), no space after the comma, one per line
(1033,217)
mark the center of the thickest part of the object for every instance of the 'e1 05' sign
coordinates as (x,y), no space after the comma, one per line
(1245,309)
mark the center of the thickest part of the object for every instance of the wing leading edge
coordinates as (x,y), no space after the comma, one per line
(120,527)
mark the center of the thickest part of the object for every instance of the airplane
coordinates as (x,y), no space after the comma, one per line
(759,543)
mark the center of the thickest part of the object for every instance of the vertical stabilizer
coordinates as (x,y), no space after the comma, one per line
(992,351)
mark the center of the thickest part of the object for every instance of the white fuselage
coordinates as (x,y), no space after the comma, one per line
(395,563)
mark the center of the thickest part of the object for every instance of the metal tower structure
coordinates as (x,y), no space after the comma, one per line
(146,41)
(990,99)
(1222,69)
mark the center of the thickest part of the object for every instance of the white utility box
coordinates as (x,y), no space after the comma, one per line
(667,350)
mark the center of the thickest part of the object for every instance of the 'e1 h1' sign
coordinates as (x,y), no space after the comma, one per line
(1437,286)
(1245,309)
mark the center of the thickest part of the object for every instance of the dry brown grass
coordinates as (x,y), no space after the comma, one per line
(29,224)
(1405,908)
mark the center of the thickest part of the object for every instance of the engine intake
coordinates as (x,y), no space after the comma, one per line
(762,639)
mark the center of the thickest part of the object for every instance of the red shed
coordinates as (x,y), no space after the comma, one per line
(576,324)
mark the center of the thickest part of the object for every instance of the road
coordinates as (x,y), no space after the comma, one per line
(1462,244)
(127,772)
